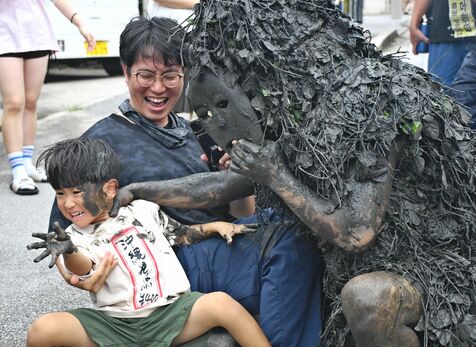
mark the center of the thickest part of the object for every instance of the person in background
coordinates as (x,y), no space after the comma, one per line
(463,88)
(447,46)
(27,41)
(179,10)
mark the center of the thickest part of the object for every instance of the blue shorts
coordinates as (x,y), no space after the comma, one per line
(276,277)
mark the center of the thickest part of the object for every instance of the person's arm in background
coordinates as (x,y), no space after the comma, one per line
(188,4)
(64,6)
(419,9)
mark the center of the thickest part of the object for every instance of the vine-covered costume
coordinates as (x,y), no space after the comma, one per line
(336,106)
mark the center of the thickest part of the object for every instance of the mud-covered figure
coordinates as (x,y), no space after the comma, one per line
(364,149)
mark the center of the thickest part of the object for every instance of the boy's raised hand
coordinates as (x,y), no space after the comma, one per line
(231,230)
(55,243)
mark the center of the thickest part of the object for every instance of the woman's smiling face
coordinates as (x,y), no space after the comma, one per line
(156,101)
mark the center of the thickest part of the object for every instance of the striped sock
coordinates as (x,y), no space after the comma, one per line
(17,165)
(28,154)
(28,159)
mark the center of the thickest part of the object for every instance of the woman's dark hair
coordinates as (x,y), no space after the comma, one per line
(74,162)
(157,38)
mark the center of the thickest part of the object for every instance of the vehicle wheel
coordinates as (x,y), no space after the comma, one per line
(112,66)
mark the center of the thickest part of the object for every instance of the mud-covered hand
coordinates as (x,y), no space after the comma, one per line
(257,163)
(230,230)
(123,198)
(54,243)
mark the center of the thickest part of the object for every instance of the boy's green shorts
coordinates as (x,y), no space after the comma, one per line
(157,330)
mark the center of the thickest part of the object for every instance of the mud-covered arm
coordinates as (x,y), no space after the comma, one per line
(241,207)
(179,234)
(202,190)
(353,227)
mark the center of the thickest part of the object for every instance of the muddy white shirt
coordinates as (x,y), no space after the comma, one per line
(148,273)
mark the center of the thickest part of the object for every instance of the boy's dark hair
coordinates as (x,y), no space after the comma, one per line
(157,38)
(74,162)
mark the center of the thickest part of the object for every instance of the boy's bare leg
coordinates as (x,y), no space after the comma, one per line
(219,309)
(58,329)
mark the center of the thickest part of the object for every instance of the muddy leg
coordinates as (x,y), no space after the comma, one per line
(381,310)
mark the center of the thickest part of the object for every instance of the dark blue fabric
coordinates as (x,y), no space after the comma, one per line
(445,59)
(145,159)
(174,135)
(464,84)
(281,282)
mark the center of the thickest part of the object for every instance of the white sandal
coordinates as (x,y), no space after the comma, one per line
(24,186)
(39,175)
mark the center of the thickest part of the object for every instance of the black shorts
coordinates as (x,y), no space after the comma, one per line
(27,55)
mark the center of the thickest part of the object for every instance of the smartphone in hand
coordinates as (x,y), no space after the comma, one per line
(211,149)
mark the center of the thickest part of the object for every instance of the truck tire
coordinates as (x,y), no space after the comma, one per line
(112,66)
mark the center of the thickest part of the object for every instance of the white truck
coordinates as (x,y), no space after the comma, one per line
(105,19)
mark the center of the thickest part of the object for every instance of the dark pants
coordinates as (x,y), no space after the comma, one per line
(280,282)
(464,84)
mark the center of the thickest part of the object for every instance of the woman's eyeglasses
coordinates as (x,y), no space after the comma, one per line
(170,79)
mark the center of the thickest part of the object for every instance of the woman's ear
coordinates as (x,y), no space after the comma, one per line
(110,188)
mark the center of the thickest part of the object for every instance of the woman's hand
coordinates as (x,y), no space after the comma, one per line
(96,281)
(88,36)
(223,163)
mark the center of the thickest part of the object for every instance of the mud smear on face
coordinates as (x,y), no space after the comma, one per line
(94,198)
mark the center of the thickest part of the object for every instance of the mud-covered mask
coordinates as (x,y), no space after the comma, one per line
(225,112)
